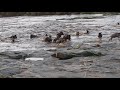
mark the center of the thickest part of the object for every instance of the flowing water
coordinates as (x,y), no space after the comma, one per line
(81,67)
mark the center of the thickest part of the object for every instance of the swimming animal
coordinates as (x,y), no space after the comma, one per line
(77,33)
(100,35)
(114,36)
(13,37)
(48,39)
(58,36)
(33,36)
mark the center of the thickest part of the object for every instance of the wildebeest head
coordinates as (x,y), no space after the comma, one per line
(48,39)
(14,37)
(100,35)
(33,36)
(67,37)
(77,33)
(87,32)
(59,34)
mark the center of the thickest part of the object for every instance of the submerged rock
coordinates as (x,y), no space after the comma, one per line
(88,53)
(8,72)
(5,76)
(14,55)
(64,56)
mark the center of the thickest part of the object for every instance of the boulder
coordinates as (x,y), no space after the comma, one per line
(65,56)
(8,72)
(14,54)
(62,56)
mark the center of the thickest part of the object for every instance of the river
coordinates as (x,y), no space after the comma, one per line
(107,66)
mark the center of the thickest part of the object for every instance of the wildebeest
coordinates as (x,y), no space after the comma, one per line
(13,37)
(58,36)
(60,33)
(87,32)
(33,36)
(114,36)
(100,35)
(62,39)
(77,33)
(48,39)
(67,37)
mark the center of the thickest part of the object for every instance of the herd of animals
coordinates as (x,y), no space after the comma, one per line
(62,37)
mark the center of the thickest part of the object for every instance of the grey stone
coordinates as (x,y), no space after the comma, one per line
(14,55)
(11,71)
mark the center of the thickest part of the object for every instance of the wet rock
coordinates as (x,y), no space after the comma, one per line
(4,76)
(88,53)
(39,54)
(64,56)
(8,72)
(14,55)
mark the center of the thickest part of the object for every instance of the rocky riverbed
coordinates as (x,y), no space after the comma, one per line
(31,58)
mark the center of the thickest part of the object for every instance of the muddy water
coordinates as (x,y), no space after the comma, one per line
(81,67)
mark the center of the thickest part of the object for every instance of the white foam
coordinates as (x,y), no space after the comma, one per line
(34,59)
